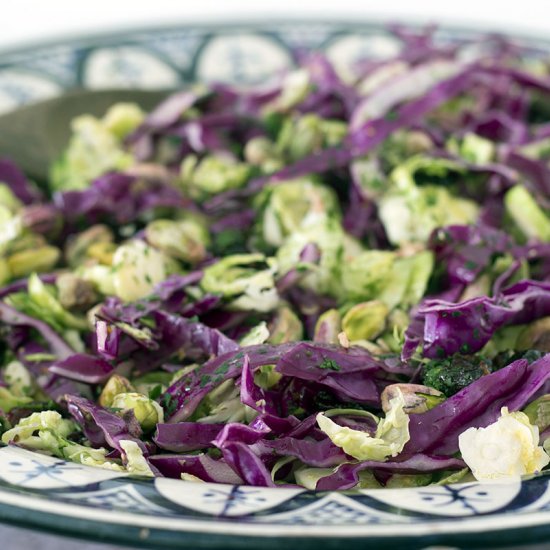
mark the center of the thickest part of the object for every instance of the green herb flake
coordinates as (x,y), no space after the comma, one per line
(222,369)
(169,404)
(155,393)
(330,364)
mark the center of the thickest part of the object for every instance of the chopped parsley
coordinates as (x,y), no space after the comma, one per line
(330,364)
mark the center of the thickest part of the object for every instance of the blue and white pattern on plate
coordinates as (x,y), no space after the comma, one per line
(48,493)
(45,484)
(37,471)
(241,54)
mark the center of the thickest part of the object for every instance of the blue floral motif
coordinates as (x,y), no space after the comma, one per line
(31,470)
(457,495)
(58,63)
(19,93)
(235,496)
(178,47)
(126,498)
(332,509)
(332,513)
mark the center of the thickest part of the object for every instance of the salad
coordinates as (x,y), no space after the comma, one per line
(337,280)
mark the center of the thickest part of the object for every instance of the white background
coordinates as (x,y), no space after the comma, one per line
(26,21)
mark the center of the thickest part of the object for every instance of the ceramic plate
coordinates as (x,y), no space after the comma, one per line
(47,493)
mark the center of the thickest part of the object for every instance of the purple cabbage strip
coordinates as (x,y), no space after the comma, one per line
(13,177)
(170,110)
(499,126)
(246,464)
(165,115)
(535,171)
(202,466)
(190,389)
(170,295)
(318,454)
(196,338)
(466,250)
(277,424)
(11,316)
(347,475)
(443,328)
(239,221)
(84,368)
(241,432)
(477,405)
(54,386)
(43,219)
(97,422)
(351,373)
(361,216)
(22,284)
(251,394)
(171,334)
(186,436)
(521,77)
(107,339)
(118,196)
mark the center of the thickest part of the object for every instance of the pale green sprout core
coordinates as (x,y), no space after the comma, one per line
(256,335)
(308,133)
(213,174)
(391,434)
(19,379)
(410,212)
(294,205)
(295,87)
(136,463)
(223,404)
(48,432)
(329,237)
(137,268)
(365,321)
(522,207)
(45,300)
(185,239)
(285,327)
(10,227)
(147,412)
(473,148)
(383,275)
(96,147)
(8,199)
(411,215)
(246,280)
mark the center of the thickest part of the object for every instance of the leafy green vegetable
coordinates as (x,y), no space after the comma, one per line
(391,435)
(454,373)
(96,147)
(293,205)
(246,280)
(527,214)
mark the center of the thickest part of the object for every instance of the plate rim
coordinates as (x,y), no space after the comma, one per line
(153,537)
(204,24)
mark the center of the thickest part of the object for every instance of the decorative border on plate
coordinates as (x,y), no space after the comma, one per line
(168,57)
